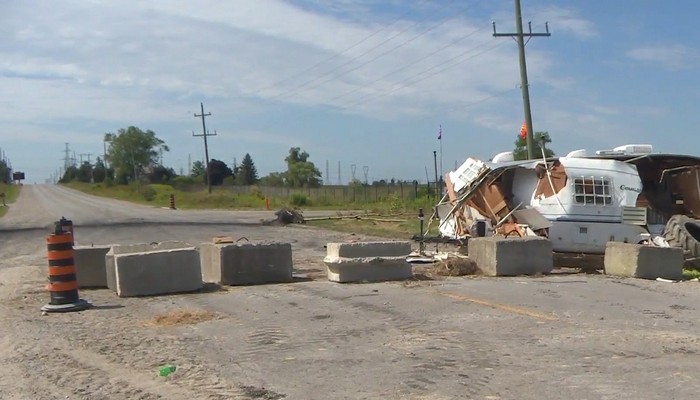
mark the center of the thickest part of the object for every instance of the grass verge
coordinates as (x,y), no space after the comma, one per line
(159,196)
(197,197)
(365,226)
(690,273)
(11,193)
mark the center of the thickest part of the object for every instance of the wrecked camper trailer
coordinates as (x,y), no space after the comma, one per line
(580,201)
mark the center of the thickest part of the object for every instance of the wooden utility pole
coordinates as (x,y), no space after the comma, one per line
(523,69)
(206,147)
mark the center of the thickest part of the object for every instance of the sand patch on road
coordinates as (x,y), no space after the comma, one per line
(183,317)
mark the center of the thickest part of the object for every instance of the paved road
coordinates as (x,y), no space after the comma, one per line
(560,336)
(38,206)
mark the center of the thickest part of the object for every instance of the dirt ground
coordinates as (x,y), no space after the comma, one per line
(565,335)
(114,349)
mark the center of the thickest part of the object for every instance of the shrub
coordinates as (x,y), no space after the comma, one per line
(148,193)
(395,204)
(255,191)
(299,199)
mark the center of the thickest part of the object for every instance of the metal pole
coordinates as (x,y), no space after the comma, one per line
(421,246)
(437,186)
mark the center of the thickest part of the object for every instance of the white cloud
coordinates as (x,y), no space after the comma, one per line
(242,49)
(104,65)
(561,20)
(673,57)
(566,20)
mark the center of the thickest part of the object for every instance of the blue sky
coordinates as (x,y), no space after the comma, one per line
(363,82)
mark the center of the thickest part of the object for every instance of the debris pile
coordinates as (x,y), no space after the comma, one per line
(455,266)
(287,216)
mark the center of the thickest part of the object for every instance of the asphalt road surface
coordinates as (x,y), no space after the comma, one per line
(559,336)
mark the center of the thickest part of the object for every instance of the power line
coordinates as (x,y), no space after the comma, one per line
(364,98)
(336,55)
(473,103)
(406,66)
(296,89)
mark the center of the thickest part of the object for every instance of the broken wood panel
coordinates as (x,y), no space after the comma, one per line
(557,175)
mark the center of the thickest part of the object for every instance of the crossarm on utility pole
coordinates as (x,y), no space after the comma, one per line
(206,147)
(523,69)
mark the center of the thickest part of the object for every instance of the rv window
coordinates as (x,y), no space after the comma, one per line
(593,191)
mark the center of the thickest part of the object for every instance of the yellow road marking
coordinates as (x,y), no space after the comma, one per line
(504,307)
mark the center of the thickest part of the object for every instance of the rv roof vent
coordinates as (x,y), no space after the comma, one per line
(607,152)
(503,157)
(577,154)
(631,149)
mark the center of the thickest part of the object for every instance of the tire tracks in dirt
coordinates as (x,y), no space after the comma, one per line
(431,353)
(104,359)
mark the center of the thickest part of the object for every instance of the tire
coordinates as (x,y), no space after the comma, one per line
(684,232)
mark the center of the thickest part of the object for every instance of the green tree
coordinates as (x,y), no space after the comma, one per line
(274,179)
(198,170)
(99,172)
(356,183)
(246,173)
(131,150)
(520,152)
(70,174)
(300,171)
(5,172)
(84,172)
(218,171)
(161,174)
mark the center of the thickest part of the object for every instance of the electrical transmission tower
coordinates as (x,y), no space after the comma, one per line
(66,158)
(86,155)
(353,167)
(206,147)
(523,68)
(365,169)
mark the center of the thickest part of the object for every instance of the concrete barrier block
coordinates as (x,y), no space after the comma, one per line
(158,272)
(368,249)
(246,263)
(368,269)
(90,265)
(646,262)
(499,256)
(135,248)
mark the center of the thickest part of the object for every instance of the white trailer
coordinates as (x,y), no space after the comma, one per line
(580,201)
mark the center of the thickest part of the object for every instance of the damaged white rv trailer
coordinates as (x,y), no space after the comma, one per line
(580,201)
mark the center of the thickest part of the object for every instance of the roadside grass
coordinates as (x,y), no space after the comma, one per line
(404,230)
(197,197)
(158,195)
(691,273)
(11,193)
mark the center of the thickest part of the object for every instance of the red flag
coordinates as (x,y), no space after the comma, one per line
(523,131)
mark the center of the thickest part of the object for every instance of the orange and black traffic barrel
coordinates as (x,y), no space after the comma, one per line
(63,282)
(65,225)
